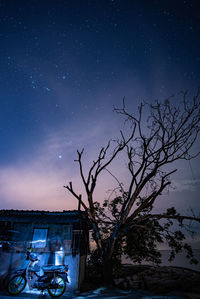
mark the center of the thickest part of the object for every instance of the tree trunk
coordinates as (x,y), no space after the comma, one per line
(107,271)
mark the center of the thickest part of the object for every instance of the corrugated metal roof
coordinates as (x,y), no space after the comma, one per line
(41,213)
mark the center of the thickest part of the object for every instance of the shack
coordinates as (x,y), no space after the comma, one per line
(57,237)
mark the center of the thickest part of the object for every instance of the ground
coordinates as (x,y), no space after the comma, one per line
(137,282)
(110,293)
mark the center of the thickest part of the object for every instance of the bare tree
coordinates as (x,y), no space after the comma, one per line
(155,143)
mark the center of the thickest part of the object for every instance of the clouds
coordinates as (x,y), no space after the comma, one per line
(185,184)
(31,188)
(37,182)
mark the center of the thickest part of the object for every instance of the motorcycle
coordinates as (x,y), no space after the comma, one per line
(53,278)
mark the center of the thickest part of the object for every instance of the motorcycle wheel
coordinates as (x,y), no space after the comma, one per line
(16,285)
(57,286)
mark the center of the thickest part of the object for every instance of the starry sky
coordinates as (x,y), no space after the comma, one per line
(63,66)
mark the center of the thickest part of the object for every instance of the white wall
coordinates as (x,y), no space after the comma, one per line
(73,263)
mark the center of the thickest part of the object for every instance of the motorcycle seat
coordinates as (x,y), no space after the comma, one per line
(53,268)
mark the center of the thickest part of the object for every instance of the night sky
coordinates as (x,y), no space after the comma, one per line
(63,66)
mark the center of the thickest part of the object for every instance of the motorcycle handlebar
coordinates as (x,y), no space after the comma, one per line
(31,256)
